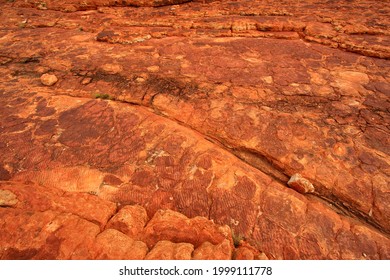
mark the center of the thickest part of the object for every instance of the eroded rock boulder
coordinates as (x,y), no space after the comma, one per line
(209,251)
(167,250)
(115,245)
(130,220)
(173,226)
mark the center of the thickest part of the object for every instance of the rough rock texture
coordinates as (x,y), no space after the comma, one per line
(201,110)
(209,251)
(115,245)
(173,226)
(47,223)
(82,5)
(167,250)
(245,251)
(130,220)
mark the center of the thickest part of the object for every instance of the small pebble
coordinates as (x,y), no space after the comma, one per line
(300,184)
(48,79)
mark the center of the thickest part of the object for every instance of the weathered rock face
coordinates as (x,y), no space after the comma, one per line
(208,110)
(46,223)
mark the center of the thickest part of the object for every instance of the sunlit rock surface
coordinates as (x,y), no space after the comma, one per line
(171,132)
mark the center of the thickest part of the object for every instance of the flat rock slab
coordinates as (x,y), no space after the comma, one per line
(206,110)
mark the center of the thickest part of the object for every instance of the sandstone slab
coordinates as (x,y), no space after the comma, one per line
(209,109)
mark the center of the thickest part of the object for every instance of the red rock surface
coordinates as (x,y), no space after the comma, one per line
(78,5)
(209,107)
(53,224)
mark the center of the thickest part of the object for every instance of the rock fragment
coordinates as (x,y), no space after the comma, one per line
(300,184)
(86,81)
(49,79)
(7,198)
